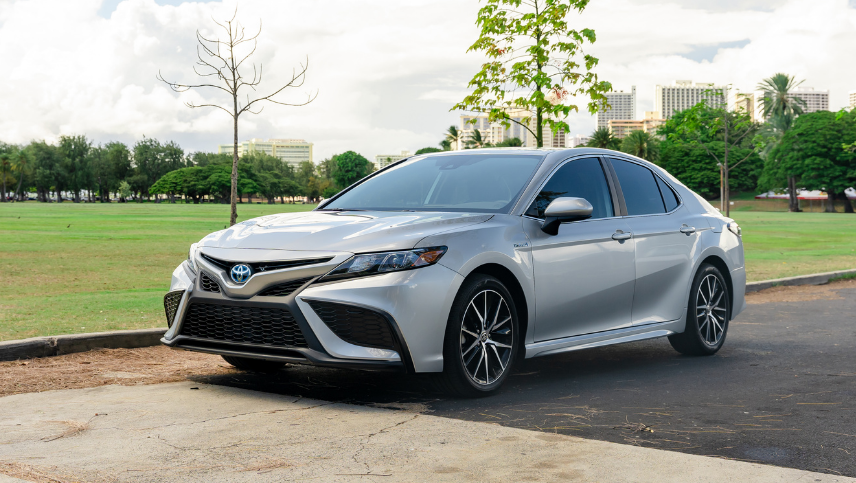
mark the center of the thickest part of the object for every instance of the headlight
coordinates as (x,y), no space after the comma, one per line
(191,257)
(734,228)
(376,263)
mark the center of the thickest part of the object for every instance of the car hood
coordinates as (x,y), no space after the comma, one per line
(346,231)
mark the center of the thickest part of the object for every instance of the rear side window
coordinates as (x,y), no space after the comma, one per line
(668,195)
(639,185)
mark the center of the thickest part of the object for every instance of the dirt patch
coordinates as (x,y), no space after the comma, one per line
(127,367)
(801,293)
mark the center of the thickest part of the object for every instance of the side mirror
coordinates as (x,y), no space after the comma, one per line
(561,210)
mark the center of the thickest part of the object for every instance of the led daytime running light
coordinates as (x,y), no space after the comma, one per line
(385,262)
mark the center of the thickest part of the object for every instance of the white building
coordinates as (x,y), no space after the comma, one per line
(684,94)
(384,160)
(579,140)
(622,106)
(852,99)
(814,101)
(743,102)
(291,151)
(494,133)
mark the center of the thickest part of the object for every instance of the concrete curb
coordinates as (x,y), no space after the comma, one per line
(813,279)
(68,344)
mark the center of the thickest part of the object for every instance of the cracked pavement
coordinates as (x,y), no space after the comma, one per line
(191,431)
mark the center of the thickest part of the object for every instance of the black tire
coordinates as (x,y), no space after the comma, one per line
(500,341)
(254,365)
(707,321)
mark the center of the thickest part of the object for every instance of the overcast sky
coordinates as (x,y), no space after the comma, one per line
(386,73)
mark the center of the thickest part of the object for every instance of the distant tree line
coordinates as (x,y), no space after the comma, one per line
(77,168)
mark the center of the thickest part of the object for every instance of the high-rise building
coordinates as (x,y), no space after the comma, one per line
(813,101)
(684,94)
(742,102)
(291,151)
(494,133)
(384,160)
(622,105)
(852,99)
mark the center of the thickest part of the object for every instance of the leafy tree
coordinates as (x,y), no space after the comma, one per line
(604,139)
(812,150)
(734,129)
(428,150)
(222,60)
(782,109)
(124,191)
(6,151)
(72,176)
(47,168)
(642,145)
(350,168)
(199,158)
(533,64)
(509,143)
(445,145)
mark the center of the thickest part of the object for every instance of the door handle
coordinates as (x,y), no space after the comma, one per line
(688,230)
(621,235)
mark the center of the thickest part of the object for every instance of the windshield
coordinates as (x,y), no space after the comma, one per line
(488,183)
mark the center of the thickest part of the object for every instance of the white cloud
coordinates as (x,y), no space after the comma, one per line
(386,73)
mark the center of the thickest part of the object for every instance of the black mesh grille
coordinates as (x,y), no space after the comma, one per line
(208,283)
(284,289)
(250,325)
(170,305)
(355,325)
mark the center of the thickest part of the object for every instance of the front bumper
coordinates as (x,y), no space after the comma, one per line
(414,303)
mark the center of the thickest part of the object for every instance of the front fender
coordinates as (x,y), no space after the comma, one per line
(500,241)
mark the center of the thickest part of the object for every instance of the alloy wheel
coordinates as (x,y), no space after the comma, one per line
(487,337)
(711,310)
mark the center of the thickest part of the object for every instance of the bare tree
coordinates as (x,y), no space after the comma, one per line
(219,59)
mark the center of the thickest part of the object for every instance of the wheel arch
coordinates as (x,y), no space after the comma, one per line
(511,282)
(720,264)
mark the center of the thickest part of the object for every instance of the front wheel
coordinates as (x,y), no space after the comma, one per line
(707,315)
(482,338)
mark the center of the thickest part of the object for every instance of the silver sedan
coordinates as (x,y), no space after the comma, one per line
(461,263)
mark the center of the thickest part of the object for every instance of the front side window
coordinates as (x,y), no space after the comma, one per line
(581,178)
(639,186)
(485,183)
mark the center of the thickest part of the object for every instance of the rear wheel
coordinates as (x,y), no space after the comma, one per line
(482,338)
(254,365)
(707,315)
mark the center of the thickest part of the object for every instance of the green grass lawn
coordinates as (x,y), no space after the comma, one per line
(73,268)
(69,268)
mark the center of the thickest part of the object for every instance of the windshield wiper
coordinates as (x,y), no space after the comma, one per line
(340,209)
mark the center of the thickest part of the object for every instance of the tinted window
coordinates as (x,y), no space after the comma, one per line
(668,195)
(582,178)
(641,194)
(461,182)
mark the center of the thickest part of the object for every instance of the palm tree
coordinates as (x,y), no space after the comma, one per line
(475,141)
(642,145)
(782,109)
(452,136)
(21,164)
(446,145)
(603,138)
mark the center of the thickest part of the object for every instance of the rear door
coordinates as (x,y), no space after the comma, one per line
(584,275)
(666,235)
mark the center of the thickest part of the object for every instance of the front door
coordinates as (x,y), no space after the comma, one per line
(584,276)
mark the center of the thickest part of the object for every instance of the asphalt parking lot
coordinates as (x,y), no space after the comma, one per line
(782,391)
